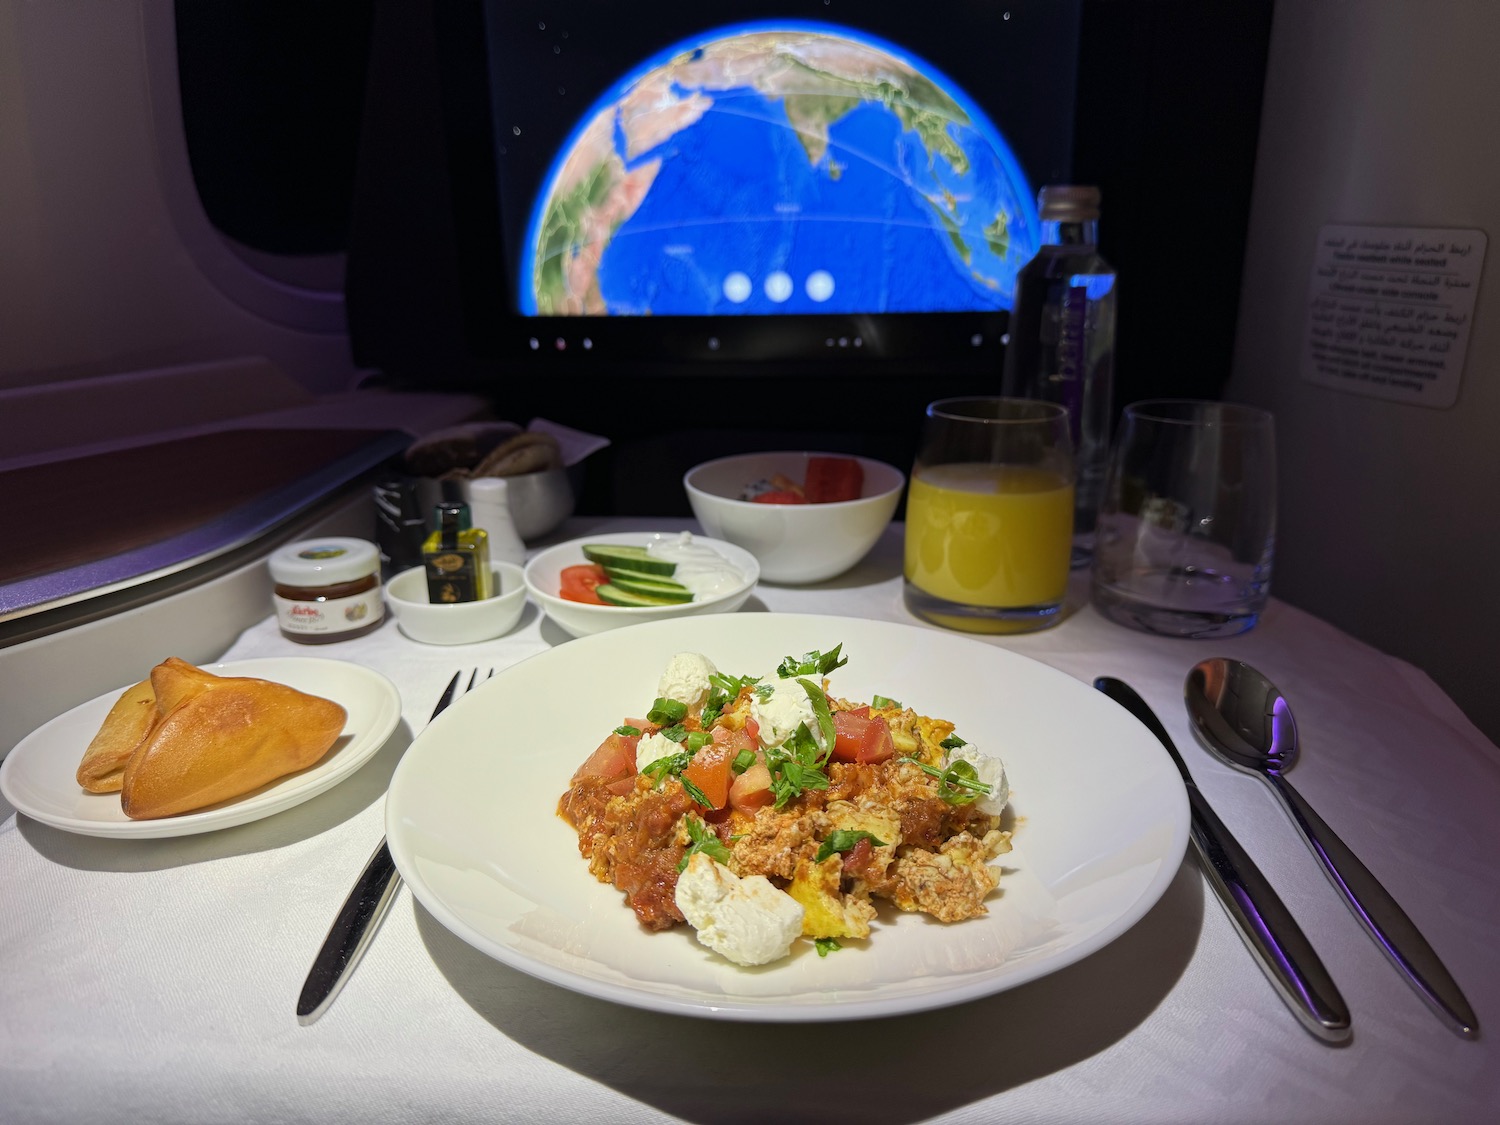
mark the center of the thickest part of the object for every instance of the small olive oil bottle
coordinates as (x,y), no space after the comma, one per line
(456,557)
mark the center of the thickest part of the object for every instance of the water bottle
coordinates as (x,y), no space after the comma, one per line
(1062,339)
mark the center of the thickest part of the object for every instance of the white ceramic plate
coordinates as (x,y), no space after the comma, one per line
(1102,822)
(544,575)
(39,778)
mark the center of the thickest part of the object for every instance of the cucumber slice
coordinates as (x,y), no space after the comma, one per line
(614,595)
(649,584)
(613,569)
(627,558)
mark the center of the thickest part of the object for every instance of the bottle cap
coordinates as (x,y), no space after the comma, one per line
(1068,203)
(456,510)
(324,562)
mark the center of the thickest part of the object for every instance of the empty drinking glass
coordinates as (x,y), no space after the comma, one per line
(1187,525)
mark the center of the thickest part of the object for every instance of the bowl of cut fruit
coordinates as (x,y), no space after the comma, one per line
(606,581)
(805,516)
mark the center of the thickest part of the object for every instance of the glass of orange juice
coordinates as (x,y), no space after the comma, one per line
(989,515)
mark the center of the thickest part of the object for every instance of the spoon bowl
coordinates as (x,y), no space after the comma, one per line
(1242,718)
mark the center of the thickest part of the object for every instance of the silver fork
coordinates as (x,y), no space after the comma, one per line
(354,927)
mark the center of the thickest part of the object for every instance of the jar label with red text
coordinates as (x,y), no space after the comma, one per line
(338,615)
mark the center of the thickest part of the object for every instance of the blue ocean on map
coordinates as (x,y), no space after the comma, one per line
(740,220)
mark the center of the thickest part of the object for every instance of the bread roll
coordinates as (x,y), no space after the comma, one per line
(224,740)
(524,453)
(125,728)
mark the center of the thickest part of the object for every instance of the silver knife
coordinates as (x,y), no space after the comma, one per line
(1264,923)
(357,919)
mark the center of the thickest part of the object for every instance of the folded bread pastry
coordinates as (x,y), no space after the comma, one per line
(184,739)
(125,728)
(223,740)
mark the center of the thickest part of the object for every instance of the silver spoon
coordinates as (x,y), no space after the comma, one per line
(1240,717)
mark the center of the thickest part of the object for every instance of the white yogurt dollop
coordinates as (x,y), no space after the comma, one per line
(779,710)
(653,748)
(991,772)
(747,920)
(701,569)
(685,679)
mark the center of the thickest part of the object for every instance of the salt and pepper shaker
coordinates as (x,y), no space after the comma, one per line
(489,506)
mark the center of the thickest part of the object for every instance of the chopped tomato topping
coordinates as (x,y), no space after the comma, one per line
(752,789)
(857,858)
(861,739)
(710,771)
(615,758)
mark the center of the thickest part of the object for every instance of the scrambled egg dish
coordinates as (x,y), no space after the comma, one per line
(764,809)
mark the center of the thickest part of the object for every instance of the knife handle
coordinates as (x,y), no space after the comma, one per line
(1267,926)
(350,934)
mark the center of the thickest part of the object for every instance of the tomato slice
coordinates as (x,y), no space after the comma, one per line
(859,739)
(578,583)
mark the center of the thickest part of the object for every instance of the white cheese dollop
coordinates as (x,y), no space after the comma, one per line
(747,920)
(686,679)
(785,707)
(991,772)
(652,748)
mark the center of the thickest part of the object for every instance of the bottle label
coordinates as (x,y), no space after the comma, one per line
(1072,347)
(452,576)
(335,615)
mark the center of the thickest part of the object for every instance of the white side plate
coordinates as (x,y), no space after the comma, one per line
(39,777)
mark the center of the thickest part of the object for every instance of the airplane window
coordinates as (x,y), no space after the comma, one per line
(272,92)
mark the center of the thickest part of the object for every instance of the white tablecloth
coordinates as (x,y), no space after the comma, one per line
(155,980)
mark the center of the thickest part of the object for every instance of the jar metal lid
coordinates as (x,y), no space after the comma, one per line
(324,562)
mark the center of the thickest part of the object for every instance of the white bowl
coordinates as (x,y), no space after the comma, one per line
(461,623)
(544,576)
(795,543)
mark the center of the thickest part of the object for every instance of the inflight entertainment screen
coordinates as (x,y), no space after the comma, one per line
(729,158)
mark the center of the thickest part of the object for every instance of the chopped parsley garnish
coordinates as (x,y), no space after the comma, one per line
(952,742)
(704,840)
(826,945)
(763,692)
(812,663)
(959,784)
(672,764)
(628,731)
(674,733)
(796,766)
(666,711)
(842,840)
(695,793)
(821,711)
(722,691)
(884,701)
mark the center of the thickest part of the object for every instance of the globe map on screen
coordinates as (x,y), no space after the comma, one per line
(780,170)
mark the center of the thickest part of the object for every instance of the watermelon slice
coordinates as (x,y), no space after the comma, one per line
(833,479)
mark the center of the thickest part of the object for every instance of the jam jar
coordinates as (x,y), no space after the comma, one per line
(327,589)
